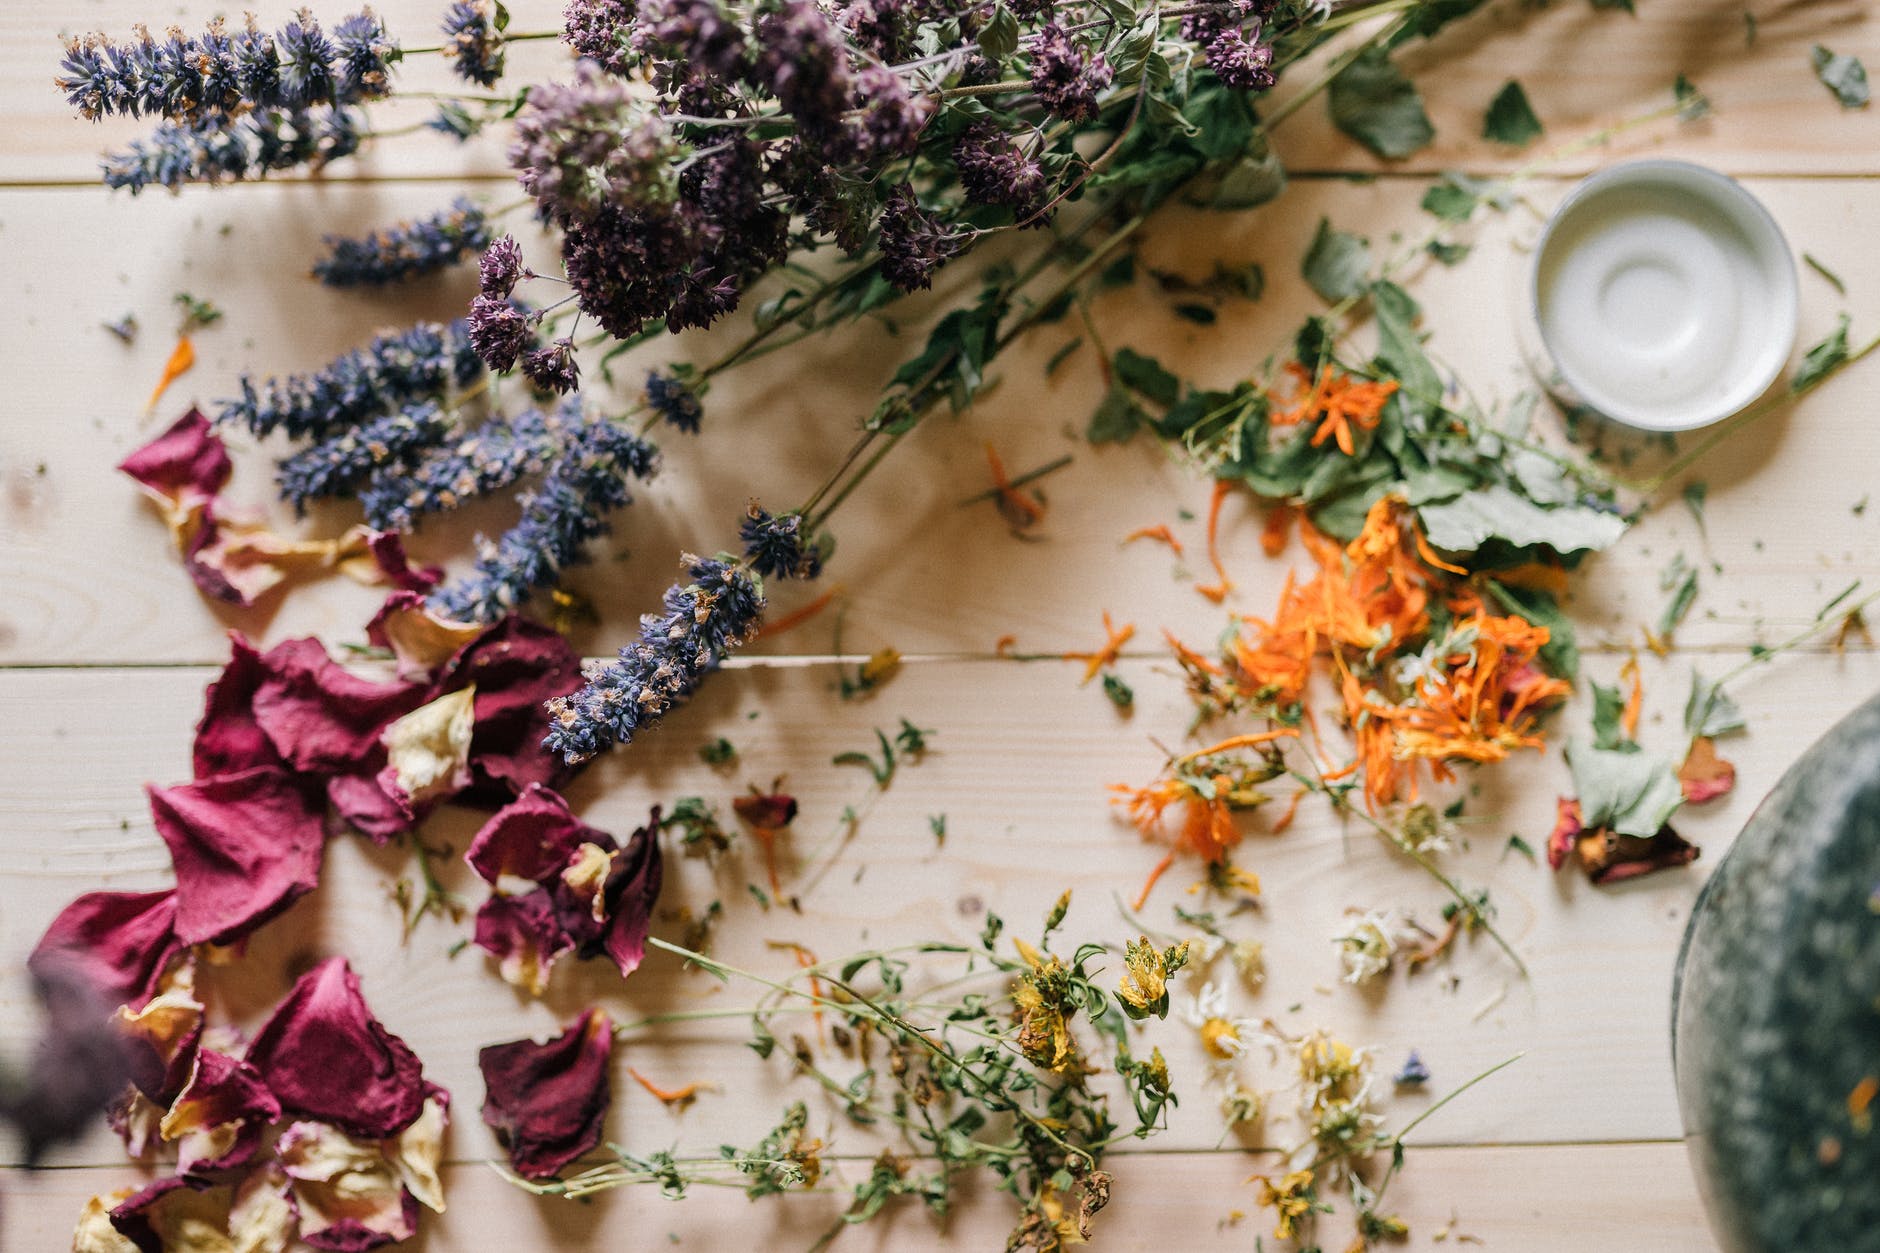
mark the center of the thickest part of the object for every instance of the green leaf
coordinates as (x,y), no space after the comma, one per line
(1336,264)
(1399,349)
(1117,419)
(1248,183)
(1692,102)
(998,38)
(1451,200)
(1709,710)
(1632,793)
(1696,492)
(1680,579)
(1146,375)
(1499,513)
(1562,650)
(1373,102)
(1510,118)
(1608,715)
(1120,693)
(1447,254)
(1822,359)
(1431,16)
(1842,74)
(1223,122)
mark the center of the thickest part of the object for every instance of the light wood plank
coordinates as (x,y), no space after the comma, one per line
(1784,520)
(1554,1199)
(1022,761)
(1583,69)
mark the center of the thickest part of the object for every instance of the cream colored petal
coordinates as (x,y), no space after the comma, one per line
(168,1018)
(319,1153)
(261,1220)
(422,642)
(140,1124)
(95,1234)
(336,1177)
(418,1151)
(586,877)
(429,748)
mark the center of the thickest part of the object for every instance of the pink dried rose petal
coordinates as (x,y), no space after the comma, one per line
(348,1193)
(427,752)
(220,1114)
(517,666)
(1704,776)
(547,1102)
(325,1056)
(183,470)
(121,942)
(228,738)
(164,1032)
(532,837)
(1566,832)
(524,936)
(1613,858)
(245,847)
(362,802)
(388,551)
(322,718)
(420,640)
(174,1215)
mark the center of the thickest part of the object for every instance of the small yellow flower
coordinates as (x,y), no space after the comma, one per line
(1292,1200)
(1144,989)
(1224,1037)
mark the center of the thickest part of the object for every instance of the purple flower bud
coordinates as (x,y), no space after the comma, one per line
(500,268)
(500,331)
(553,367)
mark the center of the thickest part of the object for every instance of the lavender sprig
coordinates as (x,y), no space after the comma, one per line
(474,41)
(392,371)
(212,76)
(675,401)
(499,452)
(420,246)
(339,464)
(223,150)
(588,482)
(777,546)
(703,620)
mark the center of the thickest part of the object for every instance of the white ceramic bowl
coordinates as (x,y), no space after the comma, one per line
(1664,296)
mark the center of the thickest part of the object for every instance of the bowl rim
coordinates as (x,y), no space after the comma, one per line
(1724,192)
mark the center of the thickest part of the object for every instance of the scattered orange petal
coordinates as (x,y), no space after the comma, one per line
(1278,524)
(805,960)
(1004,646)
(1704,776)
(1337,402)
(1019,510)
(1634,697)
(1160,533)
(672,1098)
(1216,592)
(1108,654)
(797,617)
(1292,811)
(182,357)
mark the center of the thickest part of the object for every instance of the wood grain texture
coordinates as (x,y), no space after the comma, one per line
(1553,1199)
(1786,524)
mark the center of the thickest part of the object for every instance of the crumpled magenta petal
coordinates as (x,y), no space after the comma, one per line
(421,641)
(322,718)
(388,550)
(532,837)
(1704,776)
(427,752)
(524,936)
(175,1216)
(220,1114)
(363,803)
(245,847)
(348,1193)
(183,470)
(1566,832)
(325,1056)
(228,738)
(547,1102)
(165,1032)
(517,666)
(1613,858)
(120,942)
(632,892)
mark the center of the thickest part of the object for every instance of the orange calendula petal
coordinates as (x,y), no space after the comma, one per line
(1634,697)
(182,357)
(1278,523)
(672,1098)
(1112,648)
(1160,533)
(797,617)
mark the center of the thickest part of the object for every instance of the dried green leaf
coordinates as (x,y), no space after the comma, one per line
(1336,264)
(1632,793)
(1373,102)
(1842,74)
(1822,359)
(1510,118)
(1498,513)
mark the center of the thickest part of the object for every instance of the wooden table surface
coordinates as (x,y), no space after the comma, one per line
(105,647)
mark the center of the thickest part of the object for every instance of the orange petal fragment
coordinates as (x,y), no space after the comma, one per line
(182,357)
(1159,533)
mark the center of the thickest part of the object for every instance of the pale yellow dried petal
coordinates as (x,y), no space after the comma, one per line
(586,877)
(418,1151)
(429,748)
(95,1234)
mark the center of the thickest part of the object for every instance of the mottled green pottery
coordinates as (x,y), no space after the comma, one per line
(1776,1011)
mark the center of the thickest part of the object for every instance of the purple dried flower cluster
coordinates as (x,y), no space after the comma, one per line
(913,242)
(1230,33)
(570,507)
(703,620)
(995,171)
(473,42)
(224,151)
(777,546)
(338,465)
(1066,76)
(500,330)
(552,367)
(601,31)
(498,453)
(410,249)
(393,371)
(673,399)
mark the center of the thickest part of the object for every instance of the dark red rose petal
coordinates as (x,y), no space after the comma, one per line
(388,549)
(320,717)
(245,847)
(134,1218)
(185,465)
(368,808)
(525,937)
(326,1057)
(631,893)
(349,1235)
(766,812)
(517,666)
(548,1102)
(119,942)
(221,1090)
(228,738)
(1613,858)
(532,837)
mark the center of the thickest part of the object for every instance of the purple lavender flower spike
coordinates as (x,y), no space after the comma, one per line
(336,466)
(473,42)
(410,249)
